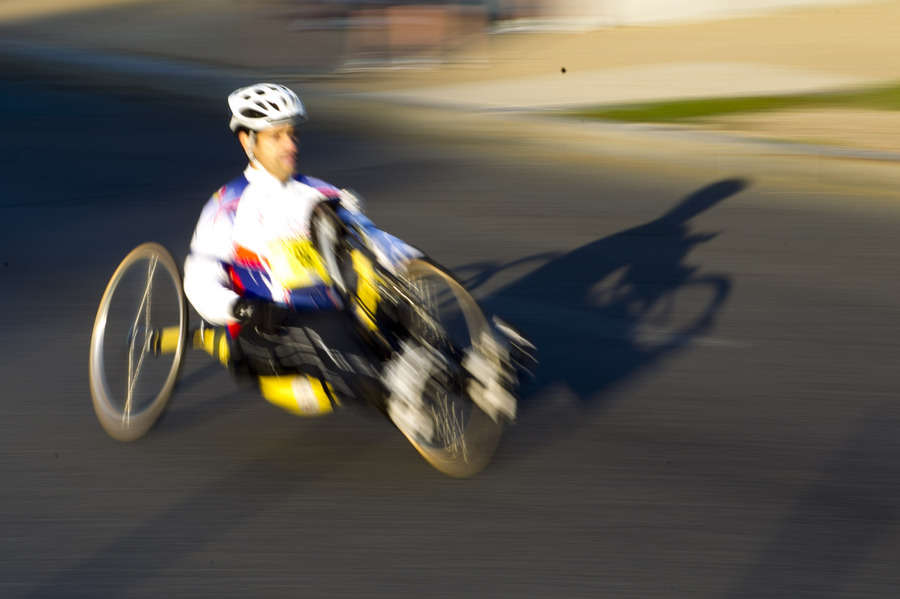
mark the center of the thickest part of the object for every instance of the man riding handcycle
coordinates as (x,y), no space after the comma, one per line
(299,290)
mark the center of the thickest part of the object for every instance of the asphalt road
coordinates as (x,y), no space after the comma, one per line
(714,415)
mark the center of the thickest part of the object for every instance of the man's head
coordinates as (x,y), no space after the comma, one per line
(264,118)
(275,149)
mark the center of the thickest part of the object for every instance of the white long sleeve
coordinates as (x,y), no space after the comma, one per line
(206,287)
(206,281)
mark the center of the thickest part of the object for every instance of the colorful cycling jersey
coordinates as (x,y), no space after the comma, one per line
(253,239)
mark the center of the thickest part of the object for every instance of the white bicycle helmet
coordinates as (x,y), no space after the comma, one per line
(264,105)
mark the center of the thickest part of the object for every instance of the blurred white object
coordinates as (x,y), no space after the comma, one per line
(351,201)
(491,378)
(405,377)
(584,15)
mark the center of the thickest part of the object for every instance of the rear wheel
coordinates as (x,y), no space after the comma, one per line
(465,437)
(133,369)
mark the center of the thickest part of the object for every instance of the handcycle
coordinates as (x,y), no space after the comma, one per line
(136,354)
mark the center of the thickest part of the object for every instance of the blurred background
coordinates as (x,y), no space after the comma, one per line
(690,206)
(804,70)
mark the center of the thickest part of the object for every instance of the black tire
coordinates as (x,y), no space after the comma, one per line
(128,411)
(468,436)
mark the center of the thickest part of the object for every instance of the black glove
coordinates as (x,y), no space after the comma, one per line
(265,316)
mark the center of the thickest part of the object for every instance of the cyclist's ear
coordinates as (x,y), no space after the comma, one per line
(247,141)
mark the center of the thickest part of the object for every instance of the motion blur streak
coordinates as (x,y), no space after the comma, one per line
(714,412)
(645,467)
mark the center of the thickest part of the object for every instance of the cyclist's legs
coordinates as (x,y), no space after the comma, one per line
(315,362)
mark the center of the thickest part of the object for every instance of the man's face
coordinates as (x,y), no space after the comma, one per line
(276,149)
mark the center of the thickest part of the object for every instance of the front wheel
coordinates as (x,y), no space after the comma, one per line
(138,342)
(465,436)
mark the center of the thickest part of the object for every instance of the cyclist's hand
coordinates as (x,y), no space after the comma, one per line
(266,316)
(392,253)
(351,201)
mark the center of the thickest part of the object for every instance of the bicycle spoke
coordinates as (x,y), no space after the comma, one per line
(151,270)
(449,424)
(127,410)
(126,413)
(428,314)
(143,310)
(430,302)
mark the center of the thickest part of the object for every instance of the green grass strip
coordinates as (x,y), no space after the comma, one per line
(877,98)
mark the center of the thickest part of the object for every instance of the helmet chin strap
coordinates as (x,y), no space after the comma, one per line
(251,143)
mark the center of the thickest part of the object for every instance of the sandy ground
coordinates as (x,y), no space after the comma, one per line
(18,10)
(868,129)
(828,46)
(859,41)
(628,85)
(855,41)
(834,46)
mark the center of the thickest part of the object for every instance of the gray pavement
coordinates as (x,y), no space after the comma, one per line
(713,415)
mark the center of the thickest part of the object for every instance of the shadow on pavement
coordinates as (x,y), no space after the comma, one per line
(607,310)
(837,522)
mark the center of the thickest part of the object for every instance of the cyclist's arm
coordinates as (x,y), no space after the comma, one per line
(206,280)
(392,252)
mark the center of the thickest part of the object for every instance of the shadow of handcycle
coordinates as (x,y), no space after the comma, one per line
(609,310)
